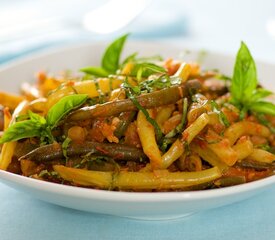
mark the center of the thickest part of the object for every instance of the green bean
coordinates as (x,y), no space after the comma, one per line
(150,100)
(157,180)
(245,163)
(125,119)
(180,127)
(116,151)
(227,181)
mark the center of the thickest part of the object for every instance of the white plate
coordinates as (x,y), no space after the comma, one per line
(135,205)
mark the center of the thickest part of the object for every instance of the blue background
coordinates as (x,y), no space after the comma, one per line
(23,217)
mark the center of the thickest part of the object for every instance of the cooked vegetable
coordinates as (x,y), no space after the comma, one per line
(37,126)
(244,91)
(63,107)
(10,100)
(125,119)
(161,179)
(54,151)
(149,100)
(8,148)
(110,59)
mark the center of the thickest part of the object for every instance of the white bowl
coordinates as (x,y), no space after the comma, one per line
(164,205)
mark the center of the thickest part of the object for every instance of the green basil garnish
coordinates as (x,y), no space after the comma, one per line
(110,62)
(263,107)
(244,80)
(110,59)
(131,94)
(244,91)
(20,130)
(38,126)
(64,106)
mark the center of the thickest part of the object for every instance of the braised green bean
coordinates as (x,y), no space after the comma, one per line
(125,119)
(116,151)
(149,100)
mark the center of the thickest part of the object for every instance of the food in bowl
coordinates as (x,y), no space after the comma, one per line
(142,124)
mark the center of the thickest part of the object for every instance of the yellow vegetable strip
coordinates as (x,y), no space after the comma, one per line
(221,147)
(236,130)
(174,152)
(159,179)
(7,118)
(83,177)
(261,155)
(164,180)
(105,85)
(209,156)
(198,107)
(38,105)
(243,148)
(177,148)
(195,163)
(164,113)
(6,154)
(127,68)
(195,128)
(214,118)
(224,151)
(183,72)
(54,97)
(90,88)
(148,140)
(10,100)
(9,147)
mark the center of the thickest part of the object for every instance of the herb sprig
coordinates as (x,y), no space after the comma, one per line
(38,126)
(110,62)
(146,69)
(110,59)
(245,93)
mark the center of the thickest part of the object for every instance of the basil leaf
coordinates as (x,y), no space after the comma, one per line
(110,60)
(259,94)
(95,71)
(153,67)
(35,126)
(244,92)
(244,80)
(36,118)
(263,107)
(146,69)
(20,130)
(63,107)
